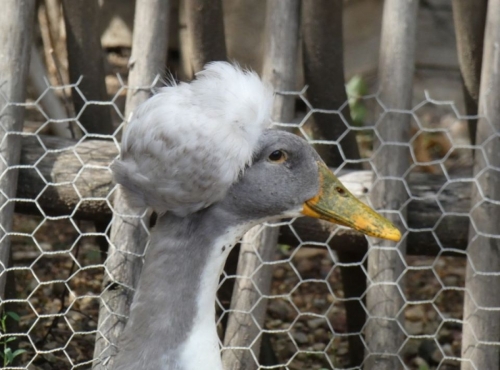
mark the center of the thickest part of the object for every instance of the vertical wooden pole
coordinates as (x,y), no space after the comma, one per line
(324,74)
(481,329)
(16,32)
(469,18)
(85,59)
(354,287)
(281,53)
(280,69)
(205,22)
(129,230)
(384,337)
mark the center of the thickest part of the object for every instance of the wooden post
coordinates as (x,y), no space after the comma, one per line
(469,18)
(324,74)
(129,232)
(280,55)
(384,337)
(205,22)
(481,329)
(16,32)
(85,59)
(354,287)
(280,70)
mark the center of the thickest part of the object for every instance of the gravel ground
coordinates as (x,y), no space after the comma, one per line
(308,312)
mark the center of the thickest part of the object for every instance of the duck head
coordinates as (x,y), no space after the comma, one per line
(287,178)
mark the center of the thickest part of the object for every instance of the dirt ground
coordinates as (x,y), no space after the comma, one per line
(59,307)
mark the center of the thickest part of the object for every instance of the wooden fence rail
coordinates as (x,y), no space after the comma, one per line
(94,181)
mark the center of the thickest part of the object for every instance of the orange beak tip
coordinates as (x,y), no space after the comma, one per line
(393,235)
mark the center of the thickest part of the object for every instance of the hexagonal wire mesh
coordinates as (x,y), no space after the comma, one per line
(65,198)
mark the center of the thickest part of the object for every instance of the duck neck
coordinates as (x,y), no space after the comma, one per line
(172,320)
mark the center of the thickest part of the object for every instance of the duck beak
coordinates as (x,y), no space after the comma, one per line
(334,203)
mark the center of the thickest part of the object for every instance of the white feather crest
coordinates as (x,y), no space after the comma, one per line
(187,144)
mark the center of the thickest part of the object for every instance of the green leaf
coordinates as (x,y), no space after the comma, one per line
(18,352)
(8,355)
(358,114)
(9,339)
(356,87)
(14,316)
(284,248)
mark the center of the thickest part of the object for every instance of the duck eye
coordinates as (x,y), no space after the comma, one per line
(340,190)
(277,156)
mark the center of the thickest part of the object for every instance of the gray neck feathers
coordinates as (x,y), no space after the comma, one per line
(166,302)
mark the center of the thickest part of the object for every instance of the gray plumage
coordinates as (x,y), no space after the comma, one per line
(166,311)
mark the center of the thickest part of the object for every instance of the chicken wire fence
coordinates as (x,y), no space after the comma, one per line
(61,230)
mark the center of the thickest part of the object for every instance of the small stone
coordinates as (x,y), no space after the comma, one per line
(451,281)
(279,273)
(52,345)
(414,313)
(45,246)
(421,363)
(300,337)
(431,315)
(305,265)
(319,302)
(315,323)
(273,324)
(447,349)
(437,355)
(342,350)
(298,300)
(280,309)
(321,334)
(319,346)
(414,327)
(411,348)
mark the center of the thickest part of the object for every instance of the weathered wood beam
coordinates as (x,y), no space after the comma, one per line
(246,319)
(391,160)
(16,32)
(481,333)
(129,233)
(92,179)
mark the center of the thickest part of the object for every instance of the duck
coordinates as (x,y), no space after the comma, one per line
(204,157)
